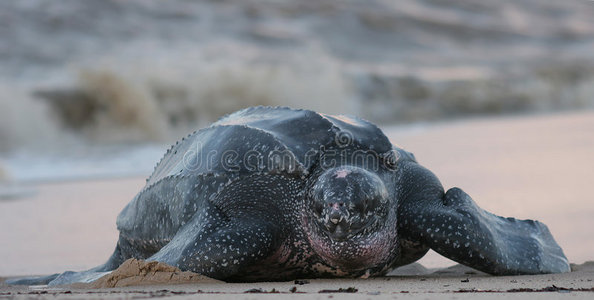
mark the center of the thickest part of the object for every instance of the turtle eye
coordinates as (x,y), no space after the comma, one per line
(363,206)
(370,204)
(318,208)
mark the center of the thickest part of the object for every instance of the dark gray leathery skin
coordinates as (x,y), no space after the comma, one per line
(454,226)
(326,196)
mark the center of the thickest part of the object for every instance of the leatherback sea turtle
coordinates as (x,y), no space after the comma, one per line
(277,193)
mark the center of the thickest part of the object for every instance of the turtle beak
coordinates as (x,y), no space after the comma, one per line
(336,217)
(337,225)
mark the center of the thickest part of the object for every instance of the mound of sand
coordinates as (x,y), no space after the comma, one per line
(138,272)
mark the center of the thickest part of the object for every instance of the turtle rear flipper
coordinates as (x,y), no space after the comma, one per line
(43,280)
(67,277)
(458,229)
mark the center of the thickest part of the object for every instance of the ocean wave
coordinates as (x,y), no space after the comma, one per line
(112,105)
(93,127)
(24,121)
(146,72)
(135,105)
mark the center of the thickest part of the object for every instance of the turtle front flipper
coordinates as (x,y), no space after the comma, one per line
(219,248)
(455,227)
(234,231)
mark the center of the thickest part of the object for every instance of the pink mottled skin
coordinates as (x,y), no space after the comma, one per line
(342,173)
(358,253)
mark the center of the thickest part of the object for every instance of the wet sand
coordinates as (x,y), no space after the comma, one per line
(537,167)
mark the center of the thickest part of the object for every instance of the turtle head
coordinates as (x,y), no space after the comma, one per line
(348,202)
(349,222)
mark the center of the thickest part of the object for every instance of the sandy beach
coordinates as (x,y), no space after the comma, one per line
(456,283)
(494,97)
(539,167)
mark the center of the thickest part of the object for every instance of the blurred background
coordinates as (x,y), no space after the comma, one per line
(98,89)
